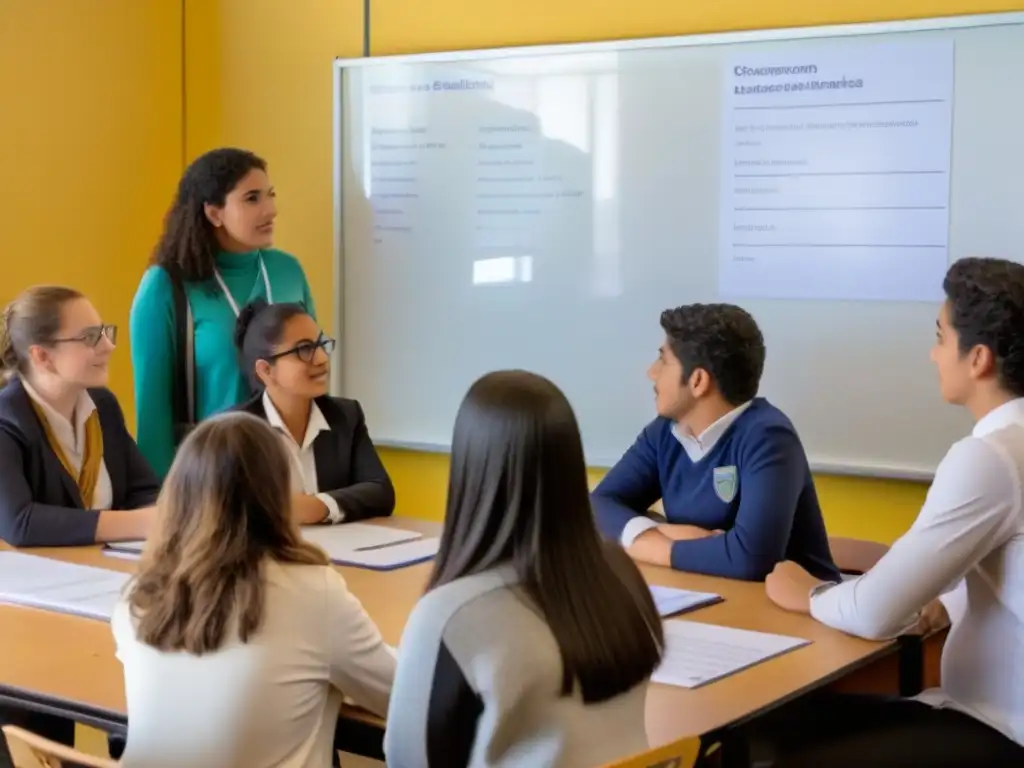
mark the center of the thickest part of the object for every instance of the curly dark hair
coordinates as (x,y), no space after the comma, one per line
(724,340)
(188,245)
(985,298)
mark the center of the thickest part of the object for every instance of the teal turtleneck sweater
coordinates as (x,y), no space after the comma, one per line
(220,383)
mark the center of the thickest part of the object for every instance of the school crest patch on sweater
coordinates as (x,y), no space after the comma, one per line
(726,482)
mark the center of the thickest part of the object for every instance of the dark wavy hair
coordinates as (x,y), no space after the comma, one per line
(985,298)
(188,245)
(723,340)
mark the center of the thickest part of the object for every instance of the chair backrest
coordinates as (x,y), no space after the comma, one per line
(31,751)
(678,754)
(856,556)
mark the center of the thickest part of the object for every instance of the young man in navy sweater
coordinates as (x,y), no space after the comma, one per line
(728,466)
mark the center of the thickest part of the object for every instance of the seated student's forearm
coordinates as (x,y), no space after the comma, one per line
(652,547)
(365,500)
(722,554)
(124,525)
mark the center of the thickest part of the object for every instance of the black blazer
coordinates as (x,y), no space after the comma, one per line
(347,465)
(40,505)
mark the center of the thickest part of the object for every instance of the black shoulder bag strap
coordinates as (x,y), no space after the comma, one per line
(184,401)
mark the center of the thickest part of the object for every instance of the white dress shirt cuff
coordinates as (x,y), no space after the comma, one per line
(334,513)
(823,609)
(634,528)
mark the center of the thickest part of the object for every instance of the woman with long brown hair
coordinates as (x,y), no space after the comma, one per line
(237,637)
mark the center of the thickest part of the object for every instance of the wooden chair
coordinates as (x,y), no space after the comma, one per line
(678,754)
(31,751)
(855,556)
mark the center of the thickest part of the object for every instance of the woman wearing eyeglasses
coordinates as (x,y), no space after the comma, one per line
(70,474)
(336,474)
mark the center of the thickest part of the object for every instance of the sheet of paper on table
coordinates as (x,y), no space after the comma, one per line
(696,653)
(39,582)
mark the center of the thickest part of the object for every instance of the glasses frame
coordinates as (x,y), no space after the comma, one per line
(306,350)
(102,331)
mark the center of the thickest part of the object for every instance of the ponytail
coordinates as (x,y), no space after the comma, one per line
(9,363)
(34,317)
(258,331)
(245,318)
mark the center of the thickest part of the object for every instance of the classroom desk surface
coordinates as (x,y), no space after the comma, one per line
(61,658)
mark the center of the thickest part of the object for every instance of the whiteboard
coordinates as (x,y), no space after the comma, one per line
(538,208)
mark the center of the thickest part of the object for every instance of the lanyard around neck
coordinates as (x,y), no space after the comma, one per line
(231,299)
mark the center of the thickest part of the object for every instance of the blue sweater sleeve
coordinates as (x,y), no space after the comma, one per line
(630,487)
(153,342)
(772,475)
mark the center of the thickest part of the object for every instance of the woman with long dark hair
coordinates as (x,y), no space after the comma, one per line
(215,255)
(535,640)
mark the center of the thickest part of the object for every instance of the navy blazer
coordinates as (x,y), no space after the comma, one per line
(347,465)
(40,505)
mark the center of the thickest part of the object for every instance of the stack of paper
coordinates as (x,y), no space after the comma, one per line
(355,537)
(357,544)
(697,653)
(671,602)
(389,557)
(39,582)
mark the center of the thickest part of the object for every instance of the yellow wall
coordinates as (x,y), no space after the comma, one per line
(90,146)
(406,26)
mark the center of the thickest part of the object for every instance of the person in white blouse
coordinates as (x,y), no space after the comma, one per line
(337,476)
(962,560)
(238,638)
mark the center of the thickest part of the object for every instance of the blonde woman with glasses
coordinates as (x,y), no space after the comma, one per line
(70,474)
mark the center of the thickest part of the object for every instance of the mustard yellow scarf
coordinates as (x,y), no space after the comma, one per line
(89,475)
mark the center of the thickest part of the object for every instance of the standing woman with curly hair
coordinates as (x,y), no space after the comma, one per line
(215,255)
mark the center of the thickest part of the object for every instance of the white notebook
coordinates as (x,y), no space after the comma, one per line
(347,544)
(390,557)
(40,582)
(340,542)
(697,653)
(671,601)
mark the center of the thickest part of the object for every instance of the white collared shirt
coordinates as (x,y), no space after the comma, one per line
(71,438)
(967,543)
(302,458)
(696,447)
